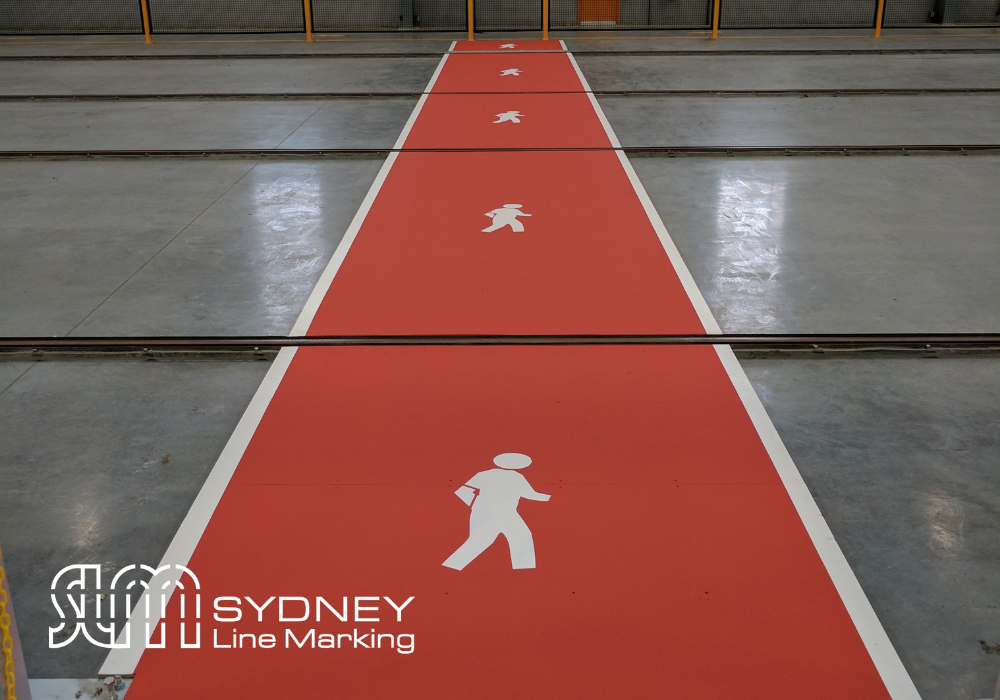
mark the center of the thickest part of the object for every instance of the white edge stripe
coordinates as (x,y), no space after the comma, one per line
(326,279)
(123,661)
(687,281)
(894,675)
(890,667)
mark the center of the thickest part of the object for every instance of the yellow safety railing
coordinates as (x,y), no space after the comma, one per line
(7,642)
(309,20)
(715,10)
(145,22)
(878,18)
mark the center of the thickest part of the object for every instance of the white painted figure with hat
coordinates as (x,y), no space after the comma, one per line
(506,216)
(494,495)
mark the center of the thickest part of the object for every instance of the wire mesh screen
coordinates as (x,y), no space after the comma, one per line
(630,14)
(777,14)
(388,15)
(70,17)
(929,13)
(508,15)
(219,16)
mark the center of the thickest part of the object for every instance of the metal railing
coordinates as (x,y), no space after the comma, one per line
(308,16)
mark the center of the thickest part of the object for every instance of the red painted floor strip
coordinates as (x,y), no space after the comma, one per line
(515,72)
(485,121)
(671,561)
(588,260)
(512,46)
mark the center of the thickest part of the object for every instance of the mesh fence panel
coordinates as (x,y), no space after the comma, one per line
(777,14)
(220,16)
(929,13)
(217,16)
(508,15)
(630,14)
(388,15)
(70,17)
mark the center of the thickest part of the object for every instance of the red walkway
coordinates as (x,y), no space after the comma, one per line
(679,556)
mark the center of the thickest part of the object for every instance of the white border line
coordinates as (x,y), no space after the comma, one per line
(894,675)
(326,279)
(123,661)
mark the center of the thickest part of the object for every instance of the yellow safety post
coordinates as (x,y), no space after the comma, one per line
(472,20)
(145,22)
(545,20)
(309,20)
(7,644)
(715,19)
(878,18)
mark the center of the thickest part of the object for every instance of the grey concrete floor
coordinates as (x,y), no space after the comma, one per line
(367,123)
(185,247)
(781,40)
(836,244)
(156,124)
(99,462)
(10,372)
(395,74)
(776,72)
(798,245)
(901,454)
(346,74)
(228,44)
(816,121)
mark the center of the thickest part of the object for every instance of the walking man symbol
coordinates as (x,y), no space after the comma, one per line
(494,495)
(510,71)
(511,116)
(506,216)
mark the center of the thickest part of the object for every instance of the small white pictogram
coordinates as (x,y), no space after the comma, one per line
(506,216)
(494,495)
(511,116)
(510,71)
(507,46)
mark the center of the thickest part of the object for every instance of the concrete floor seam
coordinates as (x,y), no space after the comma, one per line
(164,247)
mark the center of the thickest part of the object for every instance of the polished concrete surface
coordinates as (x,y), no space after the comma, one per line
(348,74)
(836,244)
(99,463)
(339,123)
(795,120)
(778,244)
(169,246)
(401,74)
(901,456)
(375,123)
(900,453)
(776,72)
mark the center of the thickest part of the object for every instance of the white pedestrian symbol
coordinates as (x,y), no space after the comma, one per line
(510,71)
(511,116)
(494,495)
(507,46)
(506,216)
